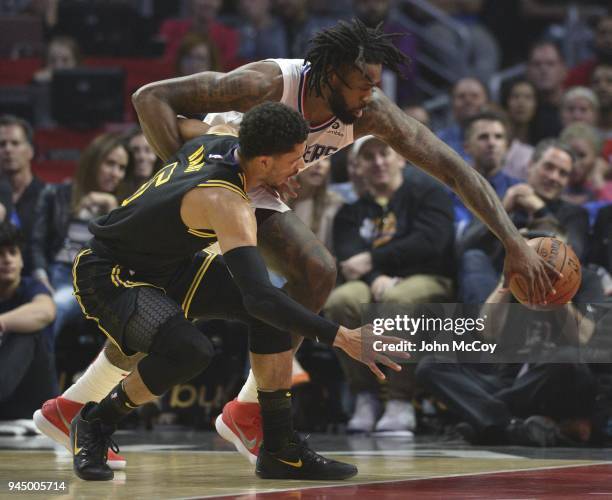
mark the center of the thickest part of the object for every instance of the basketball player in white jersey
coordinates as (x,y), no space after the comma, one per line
(336,89)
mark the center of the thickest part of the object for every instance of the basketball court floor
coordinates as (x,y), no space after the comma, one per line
(188,465)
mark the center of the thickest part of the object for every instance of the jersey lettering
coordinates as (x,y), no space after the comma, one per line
(317,151)
(158,179)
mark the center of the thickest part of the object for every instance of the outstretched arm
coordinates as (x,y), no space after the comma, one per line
(233,221)
(420,146)
(159,103)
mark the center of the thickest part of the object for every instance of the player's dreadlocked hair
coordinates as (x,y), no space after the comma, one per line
(350,43)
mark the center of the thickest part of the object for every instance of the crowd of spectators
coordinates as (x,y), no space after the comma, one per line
(399,237)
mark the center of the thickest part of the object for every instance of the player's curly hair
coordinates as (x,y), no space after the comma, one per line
(271,128)
(351,43)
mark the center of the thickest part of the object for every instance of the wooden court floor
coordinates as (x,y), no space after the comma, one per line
(177,465)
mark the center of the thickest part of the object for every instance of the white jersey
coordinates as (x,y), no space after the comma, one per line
(323,140)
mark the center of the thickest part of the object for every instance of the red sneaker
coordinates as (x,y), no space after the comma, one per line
(53,420)
(240,424)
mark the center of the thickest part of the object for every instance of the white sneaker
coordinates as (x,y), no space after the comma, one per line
(367,410)
(399,417)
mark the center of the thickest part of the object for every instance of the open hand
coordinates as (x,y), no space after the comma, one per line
(359,345)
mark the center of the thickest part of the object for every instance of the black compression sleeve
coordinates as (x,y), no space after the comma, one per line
(269,304)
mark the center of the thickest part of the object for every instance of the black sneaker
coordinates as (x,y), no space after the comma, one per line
(534,431)
(90,442)
(297,461)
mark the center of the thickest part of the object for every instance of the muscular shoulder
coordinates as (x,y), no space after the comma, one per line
(253,83)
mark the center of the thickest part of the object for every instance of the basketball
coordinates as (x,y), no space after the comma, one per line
(564,260)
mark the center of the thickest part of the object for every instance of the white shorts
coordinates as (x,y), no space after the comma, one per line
(262,198)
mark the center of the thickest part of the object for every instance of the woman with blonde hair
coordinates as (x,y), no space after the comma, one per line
(579,105)
(63,213)
(588,177)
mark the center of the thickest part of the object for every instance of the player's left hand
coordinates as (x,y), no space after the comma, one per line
(524,261)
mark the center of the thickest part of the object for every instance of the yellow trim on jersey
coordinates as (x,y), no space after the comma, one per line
(226,185)
(201,234)
(117,281)
(243,179)
(198,151)
(196,161)
(76,294)
(196,282)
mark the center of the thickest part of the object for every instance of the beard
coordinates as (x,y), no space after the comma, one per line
(339,108)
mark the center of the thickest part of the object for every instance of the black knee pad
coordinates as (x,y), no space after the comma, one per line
(152,309)
(265,339)
(178,353)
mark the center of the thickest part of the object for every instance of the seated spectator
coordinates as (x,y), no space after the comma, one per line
(484,55)
(519,403)
(62,216)
(602,46)
(203,20)
(519,101)
(16,154)
(144,163)
(262,35)
(27,376)
(548,175)
(546,70)
(315,205)
(393,246)
(587,182)
(355,187)
(196,53)
(469,96)
(486,141)
(579,105)
(62,53)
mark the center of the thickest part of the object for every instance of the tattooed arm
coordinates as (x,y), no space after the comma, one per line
(159,103)
(420,146)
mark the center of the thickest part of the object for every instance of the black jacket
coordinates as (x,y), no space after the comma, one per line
(417,229)
(51,224)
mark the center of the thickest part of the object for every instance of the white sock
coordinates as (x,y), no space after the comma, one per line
(97,381)
(248,393)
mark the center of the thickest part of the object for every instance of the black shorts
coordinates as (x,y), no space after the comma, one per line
(112,295)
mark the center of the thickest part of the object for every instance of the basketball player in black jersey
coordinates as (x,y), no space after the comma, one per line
(139,280)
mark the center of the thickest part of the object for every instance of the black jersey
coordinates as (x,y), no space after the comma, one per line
(146,233)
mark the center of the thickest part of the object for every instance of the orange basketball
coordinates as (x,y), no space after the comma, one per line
(564,260)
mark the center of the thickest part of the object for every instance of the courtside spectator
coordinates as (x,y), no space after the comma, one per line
(393,246)
(62,217)
(27,376)
(469,96)
(16,153)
